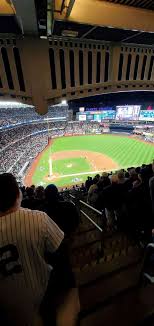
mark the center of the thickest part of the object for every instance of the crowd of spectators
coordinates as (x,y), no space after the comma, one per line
(17,114)
(20,145)
(82,128)
(17,154)
(127,198)
(52,202)
(145,132)
(11,135)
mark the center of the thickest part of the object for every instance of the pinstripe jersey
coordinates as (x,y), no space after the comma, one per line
(25,236)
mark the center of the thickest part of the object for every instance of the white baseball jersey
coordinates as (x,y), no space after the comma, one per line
(25,236)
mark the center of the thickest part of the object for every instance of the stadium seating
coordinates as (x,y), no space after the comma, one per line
(107,264)
(107,267)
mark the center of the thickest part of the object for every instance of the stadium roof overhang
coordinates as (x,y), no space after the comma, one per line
(6,8)
(128,21)
(105,13)
(102,20)
(18,17)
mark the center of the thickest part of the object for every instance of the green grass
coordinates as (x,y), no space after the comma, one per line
(125,151)
(78,164)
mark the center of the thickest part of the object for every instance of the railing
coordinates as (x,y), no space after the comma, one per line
(86,210)
(95,224)
(91,207)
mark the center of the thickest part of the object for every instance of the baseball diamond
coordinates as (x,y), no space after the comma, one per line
(73,158)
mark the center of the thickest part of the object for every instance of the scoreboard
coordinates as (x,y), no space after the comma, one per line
(98,116)
(146,115)
(122,113)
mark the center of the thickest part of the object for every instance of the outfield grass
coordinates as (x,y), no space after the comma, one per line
(125,151)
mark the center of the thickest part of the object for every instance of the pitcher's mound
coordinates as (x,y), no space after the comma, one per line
(69,165)
(51,177)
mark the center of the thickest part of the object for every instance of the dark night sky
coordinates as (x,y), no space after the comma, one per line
(113,99)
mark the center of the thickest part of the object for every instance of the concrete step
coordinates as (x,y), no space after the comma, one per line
(128,309)
(102,289)
(106,266)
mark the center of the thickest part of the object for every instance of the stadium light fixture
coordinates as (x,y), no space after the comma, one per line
(6,104)
(63,102)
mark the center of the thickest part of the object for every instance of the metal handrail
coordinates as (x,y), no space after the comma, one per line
(97,226)
(72,196)
(94,209)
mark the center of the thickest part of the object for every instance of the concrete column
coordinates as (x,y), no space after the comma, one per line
(147,67)
(76,67)
(85,67)
(152,74)
(36,70)
(94,66)
(13,68)
(3,74)
(124,67)
(57,68)
(114,63)
(67,68)
(140,65)
(132,67)
(102,66)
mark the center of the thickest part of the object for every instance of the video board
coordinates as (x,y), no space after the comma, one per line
(122,113)
(146,115)
(98,116)
(82,117)
(127,112)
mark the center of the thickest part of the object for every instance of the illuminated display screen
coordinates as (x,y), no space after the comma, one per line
(96,116)
(146,115)
(127,112)
(82,117)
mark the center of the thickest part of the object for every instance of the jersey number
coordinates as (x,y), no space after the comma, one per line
(9,257)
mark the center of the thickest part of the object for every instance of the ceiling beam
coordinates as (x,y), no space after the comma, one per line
(132,36)
(69,8)
(26,14)
(6,8)
(50,16)
(87,33)
(102,13)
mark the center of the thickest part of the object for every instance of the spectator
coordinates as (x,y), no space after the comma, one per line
(104,181)
(30,201)
(112,199)
(151,186)
(64,213)
(26,237)
(139,208)
(93,193)
(39,193)
(133,177)
(88,183)
(121,177)
(83,188)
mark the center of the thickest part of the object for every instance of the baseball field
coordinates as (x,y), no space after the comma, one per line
(72,159)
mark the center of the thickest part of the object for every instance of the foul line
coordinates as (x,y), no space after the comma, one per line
(81,173)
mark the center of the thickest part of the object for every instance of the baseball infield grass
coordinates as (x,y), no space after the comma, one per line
(70,166)
(125,151)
